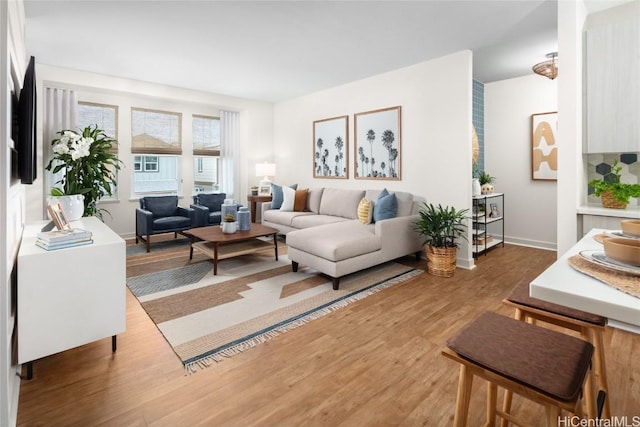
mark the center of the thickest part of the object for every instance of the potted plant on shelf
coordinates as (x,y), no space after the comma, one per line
(88,165)
(486,182)
(441,226)
(229,224)
(613,193)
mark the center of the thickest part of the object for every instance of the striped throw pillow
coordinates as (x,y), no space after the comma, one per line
(365,211)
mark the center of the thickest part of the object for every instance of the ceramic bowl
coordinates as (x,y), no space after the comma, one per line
(623,250)
(630,227)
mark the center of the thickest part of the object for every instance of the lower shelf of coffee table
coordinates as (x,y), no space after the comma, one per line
(229,250)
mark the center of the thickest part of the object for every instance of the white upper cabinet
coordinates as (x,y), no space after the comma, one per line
(613,86)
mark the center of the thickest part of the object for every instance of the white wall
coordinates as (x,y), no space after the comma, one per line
(256,133)
(12,196)
(530,206)
(435,97)
(571,18)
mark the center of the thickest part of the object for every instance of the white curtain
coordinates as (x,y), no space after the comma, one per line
(60,112)
(230,154)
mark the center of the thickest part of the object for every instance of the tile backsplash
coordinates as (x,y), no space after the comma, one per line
(599,167)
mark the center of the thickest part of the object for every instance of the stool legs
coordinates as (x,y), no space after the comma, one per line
(464,396)
(599,366)
(492,397)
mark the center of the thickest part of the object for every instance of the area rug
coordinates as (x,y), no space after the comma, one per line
(206,318)
(163,245)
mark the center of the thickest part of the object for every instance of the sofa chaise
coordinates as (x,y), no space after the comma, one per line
(332,235)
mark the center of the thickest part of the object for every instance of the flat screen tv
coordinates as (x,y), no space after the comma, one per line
(27,143)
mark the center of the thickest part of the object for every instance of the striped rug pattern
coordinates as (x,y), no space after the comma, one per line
(253,298)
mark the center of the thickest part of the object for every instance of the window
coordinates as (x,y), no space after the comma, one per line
(105,117)
(156,174)
(156,141)
(101,115)
(146,164)
(155,132)
(206,153)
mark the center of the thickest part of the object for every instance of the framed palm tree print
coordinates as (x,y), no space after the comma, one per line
(331,148)
(377,148)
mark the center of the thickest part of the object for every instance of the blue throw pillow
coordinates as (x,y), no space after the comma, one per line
(386,206)
(276,195)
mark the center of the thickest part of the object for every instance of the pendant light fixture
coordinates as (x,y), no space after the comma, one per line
(548,68)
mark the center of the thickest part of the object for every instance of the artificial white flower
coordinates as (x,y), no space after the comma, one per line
(61,148)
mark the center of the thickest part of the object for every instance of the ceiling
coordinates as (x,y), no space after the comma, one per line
(278,50)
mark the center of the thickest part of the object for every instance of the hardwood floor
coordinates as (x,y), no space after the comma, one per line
(376,362)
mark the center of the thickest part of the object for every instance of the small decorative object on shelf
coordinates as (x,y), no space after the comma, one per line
(487,222)
(486,182)
(254,190)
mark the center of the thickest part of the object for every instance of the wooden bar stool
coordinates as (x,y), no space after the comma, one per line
(544,366)
(590,326)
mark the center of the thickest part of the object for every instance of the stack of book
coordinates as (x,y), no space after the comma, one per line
(58,239)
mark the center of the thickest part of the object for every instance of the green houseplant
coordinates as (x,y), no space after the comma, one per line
(88,163)
(441,226)
(613,193)
(486,182)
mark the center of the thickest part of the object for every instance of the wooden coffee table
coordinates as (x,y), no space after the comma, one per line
(218,245)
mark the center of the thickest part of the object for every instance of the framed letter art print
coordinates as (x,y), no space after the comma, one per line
(544,150)
(378,144)
(331,148)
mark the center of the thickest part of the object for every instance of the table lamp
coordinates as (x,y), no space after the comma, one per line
(265,170)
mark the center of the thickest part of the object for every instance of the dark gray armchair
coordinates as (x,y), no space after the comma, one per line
(159,215)
(208,208)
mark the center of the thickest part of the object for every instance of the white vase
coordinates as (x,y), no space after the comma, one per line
(72,205)
(229,227)
(476,190)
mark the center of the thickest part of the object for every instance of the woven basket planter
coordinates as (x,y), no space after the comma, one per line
(441,261)
(608,201)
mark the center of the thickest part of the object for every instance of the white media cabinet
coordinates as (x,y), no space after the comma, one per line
(72,296)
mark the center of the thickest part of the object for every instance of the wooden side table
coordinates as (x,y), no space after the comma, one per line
(253,200)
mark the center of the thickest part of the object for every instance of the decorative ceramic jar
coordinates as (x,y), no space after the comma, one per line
(487,189)
(229,208)
(244,219)
(72,205)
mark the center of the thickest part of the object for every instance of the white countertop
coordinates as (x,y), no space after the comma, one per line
(629,212)
(561,284)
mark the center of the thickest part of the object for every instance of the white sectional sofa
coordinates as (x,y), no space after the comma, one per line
(328,236)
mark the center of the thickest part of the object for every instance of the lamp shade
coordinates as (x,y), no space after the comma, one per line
(265,169)
(548,68)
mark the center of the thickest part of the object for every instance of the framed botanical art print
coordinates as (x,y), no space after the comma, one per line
(331,148)
(378,144)
(544,150)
